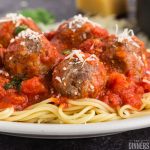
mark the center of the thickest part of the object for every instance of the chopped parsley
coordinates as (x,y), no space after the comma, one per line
(39,15)
(66,52)
(14,83)
(19,29)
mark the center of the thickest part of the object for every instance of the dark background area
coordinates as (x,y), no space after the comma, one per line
(112,142)
(60,8)
(64,9)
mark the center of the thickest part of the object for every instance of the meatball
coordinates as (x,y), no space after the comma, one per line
(79,75)
(125,55)
(10,23)
(74,31)
(30,54)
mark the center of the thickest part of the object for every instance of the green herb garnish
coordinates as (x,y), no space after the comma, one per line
(14,83)
(19,29)
(66,52)
(39,15)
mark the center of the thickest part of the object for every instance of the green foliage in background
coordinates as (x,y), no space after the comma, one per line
(39,15)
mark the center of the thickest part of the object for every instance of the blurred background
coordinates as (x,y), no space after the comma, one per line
(133,14)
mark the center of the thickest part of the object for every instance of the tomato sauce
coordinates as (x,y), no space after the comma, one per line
(121,91)
(11,97)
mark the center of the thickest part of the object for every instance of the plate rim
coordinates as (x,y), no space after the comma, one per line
(74,130)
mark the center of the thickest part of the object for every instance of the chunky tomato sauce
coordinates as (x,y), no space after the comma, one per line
(78,60)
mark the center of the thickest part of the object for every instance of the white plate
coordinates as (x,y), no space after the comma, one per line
(67,131)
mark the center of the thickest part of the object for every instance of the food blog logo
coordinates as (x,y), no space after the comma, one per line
(139,145)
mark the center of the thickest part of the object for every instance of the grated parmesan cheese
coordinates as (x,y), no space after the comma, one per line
(52,90)
(64,83)
(64,68)
(10,58)
(75,93)
(126,34)
(90,58)
(92,47)
(80,57)
(148,50)
(91,87)
(14,17)
(63,78)
(2,72)
(76,53)
(148,72)
(30,34)
(138,58)
(12,40)
(58,96)
(146,81)
(84,36)
(22,43)
(78,21)
(58,79)
(144,57)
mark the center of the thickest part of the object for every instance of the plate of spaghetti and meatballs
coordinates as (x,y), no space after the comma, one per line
(77,74)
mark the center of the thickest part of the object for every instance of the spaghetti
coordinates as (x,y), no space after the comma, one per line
(78,112)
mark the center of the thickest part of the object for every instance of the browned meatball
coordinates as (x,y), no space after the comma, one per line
(79,75)
(124,54)
(30,54)
(9,25)
(74,31)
